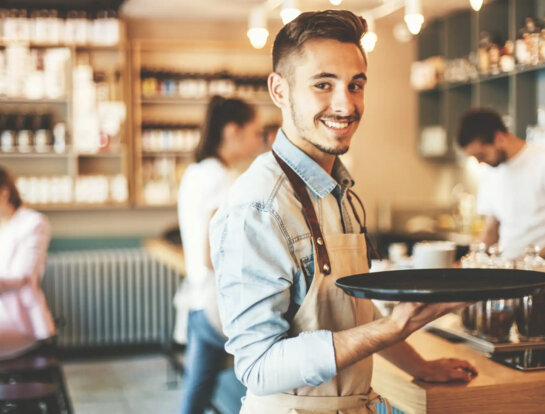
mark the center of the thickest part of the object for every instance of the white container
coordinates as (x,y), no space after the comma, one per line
(434,254)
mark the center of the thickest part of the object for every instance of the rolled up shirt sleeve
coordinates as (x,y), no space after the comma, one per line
(255,271)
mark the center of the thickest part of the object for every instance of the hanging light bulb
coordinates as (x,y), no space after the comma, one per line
(257,28)
(289,11)
(413,16)
(336,2)
(476,4)
(369,40)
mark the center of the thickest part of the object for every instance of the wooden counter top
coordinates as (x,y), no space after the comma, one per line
(166,253)
(497,388)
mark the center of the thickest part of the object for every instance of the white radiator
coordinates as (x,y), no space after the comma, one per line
(110,297)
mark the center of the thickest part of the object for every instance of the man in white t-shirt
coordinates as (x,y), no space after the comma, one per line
(512,194)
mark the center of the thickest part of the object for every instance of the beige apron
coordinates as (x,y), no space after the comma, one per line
(326,307)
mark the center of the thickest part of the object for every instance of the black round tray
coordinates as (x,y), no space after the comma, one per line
(443,285)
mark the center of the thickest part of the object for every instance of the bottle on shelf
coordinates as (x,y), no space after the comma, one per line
(81,32)
(38,26)
(43,136)
(530,310)
(7,137)
(494,56)
(531,37)
(25,135)
(507,59)
(59,138)
(497,261)
(483,58)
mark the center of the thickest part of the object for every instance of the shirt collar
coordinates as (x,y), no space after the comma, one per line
(314,176)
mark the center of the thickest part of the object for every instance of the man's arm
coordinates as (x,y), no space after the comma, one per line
(255,272)
(490,233)
(387,335)
(405,357)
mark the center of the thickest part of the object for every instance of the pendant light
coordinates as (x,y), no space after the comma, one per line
(369,39)
(257,28)
(476,4)
(336,2)
(413,16)
(289,11)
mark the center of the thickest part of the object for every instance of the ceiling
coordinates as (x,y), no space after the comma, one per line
(237,10)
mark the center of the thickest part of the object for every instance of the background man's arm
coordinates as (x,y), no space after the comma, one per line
(490,233)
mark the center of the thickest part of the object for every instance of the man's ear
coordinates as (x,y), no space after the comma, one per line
(4,193)
(278,89)
(500,139)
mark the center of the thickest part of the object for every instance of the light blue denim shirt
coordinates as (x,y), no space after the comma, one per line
(263,258)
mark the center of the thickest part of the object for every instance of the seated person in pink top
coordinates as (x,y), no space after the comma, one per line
(25,319)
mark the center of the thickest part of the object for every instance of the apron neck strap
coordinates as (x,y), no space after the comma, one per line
(363,226)
(310,214)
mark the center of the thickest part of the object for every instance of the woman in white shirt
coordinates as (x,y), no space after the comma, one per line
(232,136)
(25,319)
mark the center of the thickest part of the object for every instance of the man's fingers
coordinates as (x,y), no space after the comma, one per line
(460,375)
(461,364)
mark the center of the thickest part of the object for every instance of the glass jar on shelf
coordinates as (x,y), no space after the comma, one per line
(495,319)
(25,135)
(476,258)
(483,59)
(496,259)
(7,137)
(55,27)
(530,310)
(531,37)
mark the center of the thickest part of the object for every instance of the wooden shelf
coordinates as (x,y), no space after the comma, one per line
(78,206)
(443,86)
(169,206)
(184,57)
(34,155)
(185,154)
(5,100)
(182,101)
(100,155)
(33,45)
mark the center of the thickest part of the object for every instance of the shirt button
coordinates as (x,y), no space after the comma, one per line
(326,269)
(320,241)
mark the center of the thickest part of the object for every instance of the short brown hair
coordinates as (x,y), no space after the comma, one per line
(479,124)
(341,25)
(7,181)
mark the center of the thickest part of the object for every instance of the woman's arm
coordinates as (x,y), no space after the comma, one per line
(29,259)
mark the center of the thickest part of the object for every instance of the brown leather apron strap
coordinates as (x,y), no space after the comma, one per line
(363,227)
(310,214)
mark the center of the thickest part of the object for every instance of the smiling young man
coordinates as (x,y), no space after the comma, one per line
(289,230)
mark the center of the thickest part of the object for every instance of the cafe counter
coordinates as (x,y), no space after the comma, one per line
(497,388)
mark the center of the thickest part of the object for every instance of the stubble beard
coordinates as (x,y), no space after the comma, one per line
(304,134)
(501,158)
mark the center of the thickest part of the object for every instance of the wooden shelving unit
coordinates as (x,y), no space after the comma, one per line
(515,94)
(181,57)
(72,163)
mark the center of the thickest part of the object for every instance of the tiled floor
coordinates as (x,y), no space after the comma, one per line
(132,385)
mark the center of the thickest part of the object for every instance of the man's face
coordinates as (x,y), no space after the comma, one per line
(326,87)
(487,153)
